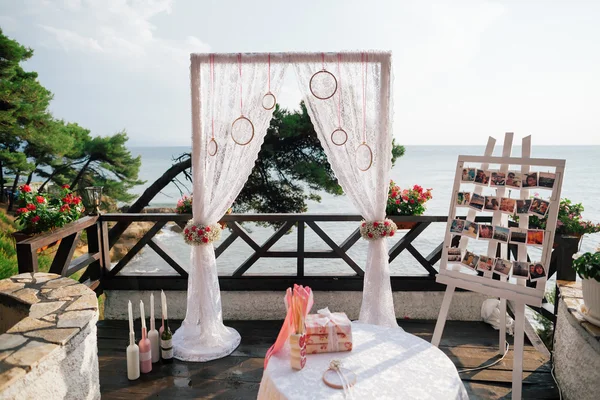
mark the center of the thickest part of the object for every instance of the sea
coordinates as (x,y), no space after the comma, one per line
(428,166)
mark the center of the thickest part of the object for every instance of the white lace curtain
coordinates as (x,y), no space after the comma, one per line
(358,74)
(218,180)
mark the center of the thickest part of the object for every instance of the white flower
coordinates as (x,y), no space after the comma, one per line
(576,256)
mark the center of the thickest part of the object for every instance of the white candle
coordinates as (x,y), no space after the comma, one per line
(130,318)
(151,311)
(143,316)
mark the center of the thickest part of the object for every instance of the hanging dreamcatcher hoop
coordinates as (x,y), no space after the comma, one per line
(339,131)
(241,118)
(212,146)
(321,75)
(269,98)
(364,58)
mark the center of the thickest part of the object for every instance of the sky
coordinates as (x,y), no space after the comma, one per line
(463,70)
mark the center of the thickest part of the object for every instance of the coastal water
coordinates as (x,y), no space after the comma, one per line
(428,166)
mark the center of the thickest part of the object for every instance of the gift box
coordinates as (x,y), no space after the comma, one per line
(328,332)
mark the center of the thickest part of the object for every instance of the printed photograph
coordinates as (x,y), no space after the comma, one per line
(536,271)
(507,205)
(454,255)
(468,175)
(514,179)
(491,203)
(485,264)
(498,179)
(523,206)
(486,232)
(482,177)
(457,226)
(502,267)
(546,180)
(535,237)
(520,269)
(463,198)
(477,201)
(518,236)
(501,234)
(530,180)
(539,207)
(471,229)
(470,260)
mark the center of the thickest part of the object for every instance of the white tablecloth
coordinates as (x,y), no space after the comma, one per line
(388,362)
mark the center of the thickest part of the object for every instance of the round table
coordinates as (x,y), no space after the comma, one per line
(388,362)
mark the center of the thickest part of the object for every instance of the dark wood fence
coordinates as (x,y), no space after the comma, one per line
(238,280)
(95,261)
(100,275)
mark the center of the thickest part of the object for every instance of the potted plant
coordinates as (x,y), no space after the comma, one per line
(39,212)
(587,266)
(403,202)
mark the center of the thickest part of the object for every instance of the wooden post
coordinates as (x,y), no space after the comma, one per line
(27,258)
(441,321)
(517,375)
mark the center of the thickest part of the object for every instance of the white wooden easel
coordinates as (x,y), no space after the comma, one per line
(452,276)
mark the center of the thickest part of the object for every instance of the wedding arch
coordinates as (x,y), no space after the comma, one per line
(348,98)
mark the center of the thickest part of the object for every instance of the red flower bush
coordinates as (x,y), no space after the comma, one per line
(407,201)
(43,212)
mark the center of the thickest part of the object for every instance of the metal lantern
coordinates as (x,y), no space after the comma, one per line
(94,195)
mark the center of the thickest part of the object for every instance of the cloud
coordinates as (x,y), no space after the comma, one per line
(118,29)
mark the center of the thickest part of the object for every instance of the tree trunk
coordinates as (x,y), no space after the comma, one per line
(30,176)
(116,231)
(1,181)
(80,174)
(12,194)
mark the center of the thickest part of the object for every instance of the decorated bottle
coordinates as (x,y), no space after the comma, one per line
(145,345)
(166,337)
(166,343)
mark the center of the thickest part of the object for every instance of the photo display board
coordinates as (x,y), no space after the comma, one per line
(499,187)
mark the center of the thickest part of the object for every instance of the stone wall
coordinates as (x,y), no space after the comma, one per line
(576,347)
(262,305)
(52,352)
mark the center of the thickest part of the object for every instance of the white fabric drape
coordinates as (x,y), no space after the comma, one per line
(367,189)
(217,182)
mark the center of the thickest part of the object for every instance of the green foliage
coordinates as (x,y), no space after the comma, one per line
(587,265)
(23,107)
(291,167)
(569,220)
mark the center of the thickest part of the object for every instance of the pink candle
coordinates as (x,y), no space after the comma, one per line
(145,346)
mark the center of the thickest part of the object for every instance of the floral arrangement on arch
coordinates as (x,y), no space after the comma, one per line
(407,201)
(184,205)
(373,230)
(569,220)
(196,234)
(41,212)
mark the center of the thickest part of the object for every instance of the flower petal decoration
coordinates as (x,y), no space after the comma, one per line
(196,234)
(373,230)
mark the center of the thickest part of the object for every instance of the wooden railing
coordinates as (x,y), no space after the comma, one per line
(95,261)
(100,275)
(239,280)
